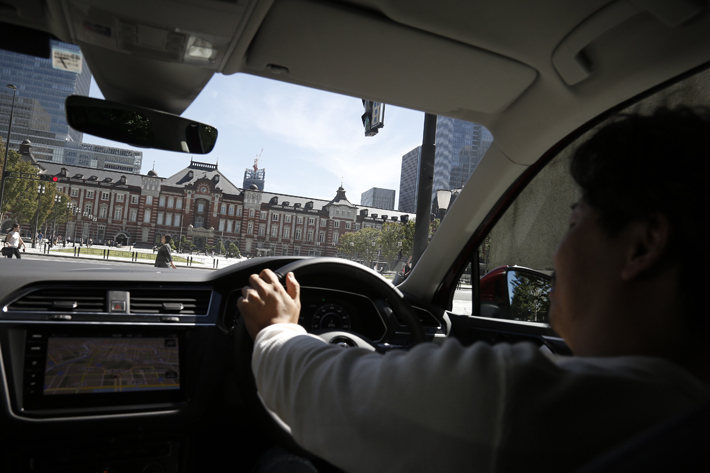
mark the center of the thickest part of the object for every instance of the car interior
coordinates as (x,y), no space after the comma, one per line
(539,75)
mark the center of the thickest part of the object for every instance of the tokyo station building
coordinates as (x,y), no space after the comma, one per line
(200,203)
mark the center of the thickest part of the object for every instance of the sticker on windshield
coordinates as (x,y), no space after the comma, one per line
(66,60)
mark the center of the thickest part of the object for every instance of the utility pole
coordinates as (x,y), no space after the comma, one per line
(426,180)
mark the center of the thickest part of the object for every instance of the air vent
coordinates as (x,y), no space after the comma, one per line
(170,301)
(61,300)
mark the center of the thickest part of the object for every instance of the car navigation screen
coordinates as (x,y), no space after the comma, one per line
(75,365)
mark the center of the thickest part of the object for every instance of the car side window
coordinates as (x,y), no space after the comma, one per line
(516,256)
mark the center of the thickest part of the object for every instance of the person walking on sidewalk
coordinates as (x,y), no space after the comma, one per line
(164,257)
(13,241)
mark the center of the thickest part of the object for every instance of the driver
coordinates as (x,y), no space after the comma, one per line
(625,298)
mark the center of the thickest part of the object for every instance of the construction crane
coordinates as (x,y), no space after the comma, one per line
(256,160)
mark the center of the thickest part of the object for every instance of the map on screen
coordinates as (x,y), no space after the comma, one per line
(111,365)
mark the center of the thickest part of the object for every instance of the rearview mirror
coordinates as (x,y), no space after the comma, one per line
(138,126)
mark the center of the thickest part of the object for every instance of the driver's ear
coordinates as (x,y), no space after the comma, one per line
(648,242)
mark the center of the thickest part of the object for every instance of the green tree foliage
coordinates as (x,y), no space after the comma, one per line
(220,248)
(387,239)
(233,250)
(530,297)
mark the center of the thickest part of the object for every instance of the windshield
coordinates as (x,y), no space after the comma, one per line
(294,173)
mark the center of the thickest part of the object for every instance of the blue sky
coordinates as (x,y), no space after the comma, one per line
(311,139)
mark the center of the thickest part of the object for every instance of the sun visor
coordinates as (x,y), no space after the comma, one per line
(335,48)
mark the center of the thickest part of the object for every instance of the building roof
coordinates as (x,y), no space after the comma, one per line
(87,174)
(201,171)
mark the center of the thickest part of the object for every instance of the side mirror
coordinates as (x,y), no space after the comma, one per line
(511,292)
(138,126)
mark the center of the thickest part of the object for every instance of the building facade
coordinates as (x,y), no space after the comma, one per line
(409,181)
(39,102)
(378,198)
(38,113)
(460,145)
(202,205)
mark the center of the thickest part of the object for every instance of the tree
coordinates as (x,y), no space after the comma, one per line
(220,247)
(530,298)
(233,250)
(20,195)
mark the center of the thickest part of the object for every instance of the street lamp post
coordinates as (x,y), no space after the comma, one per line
(57,199)
(76,212)
(40,191)
(7,145)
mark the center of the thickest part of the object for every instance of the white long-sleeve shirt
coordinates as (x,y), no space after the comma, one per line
(452,408)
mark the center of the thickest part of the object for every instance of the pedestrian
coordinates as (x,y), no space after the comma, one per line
(164,257)
(91,242)
(40,237)
(13,241)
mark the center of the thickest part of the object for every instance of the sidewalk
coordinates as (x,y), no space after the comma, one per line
(198,262)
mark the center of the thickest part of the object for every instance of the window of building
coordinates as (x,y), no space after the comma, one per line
(262,230)
(118,213)
(237,227)
(337,212)
(161,201)
(221,225)
(336,224)
(250,228)
(103,210)
(223,209)
(169,219)
(201,207)
(347,225)
(134,199)
(104,196)
(178,203)
(133,215)
(177,220)
(119,197)
(311,221)
(287,218)
(321,237)
(231,210)
(171,202)
(229,226)
(149,200)
(89,194)
(146,216)
(323,222)
(161,216)
(296,251)
(357,226)
(336,235)
(299,220)
(310,235)
(251,212)
(275,231)
(262,214)
(287,232)
(298,234)
(89,207)
(75,192)
(274,217)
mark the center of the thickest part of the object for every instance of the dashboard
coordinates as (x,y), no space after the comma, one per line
(107,353)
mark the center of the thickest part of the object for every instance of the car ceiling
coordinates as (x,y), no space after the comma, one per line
(531,72)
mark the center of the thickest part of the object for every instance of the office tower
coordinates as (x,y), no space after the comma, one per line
(379,198)
(460,145)
(39,102)
(409,181)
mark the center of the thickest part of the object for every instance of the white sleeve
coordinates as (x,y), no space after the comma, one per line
(364,411)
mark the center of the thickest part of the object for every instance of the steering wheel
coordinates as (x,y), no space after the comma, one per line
(345,270)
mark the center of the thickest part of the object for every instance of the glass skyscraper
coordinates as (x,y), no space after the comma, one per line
(460,145)
(39,102)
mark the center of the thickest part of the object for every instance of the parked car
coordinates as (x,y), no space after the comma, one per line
(538,75)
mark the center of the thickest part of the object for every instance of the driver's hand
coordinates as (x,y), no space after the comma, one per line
(265,302)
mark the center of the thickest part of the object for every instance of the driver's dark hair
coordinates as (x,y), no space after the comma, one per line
(640,165)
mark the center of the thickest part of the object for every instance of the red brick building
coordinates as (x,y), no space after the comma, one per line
(200,203)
